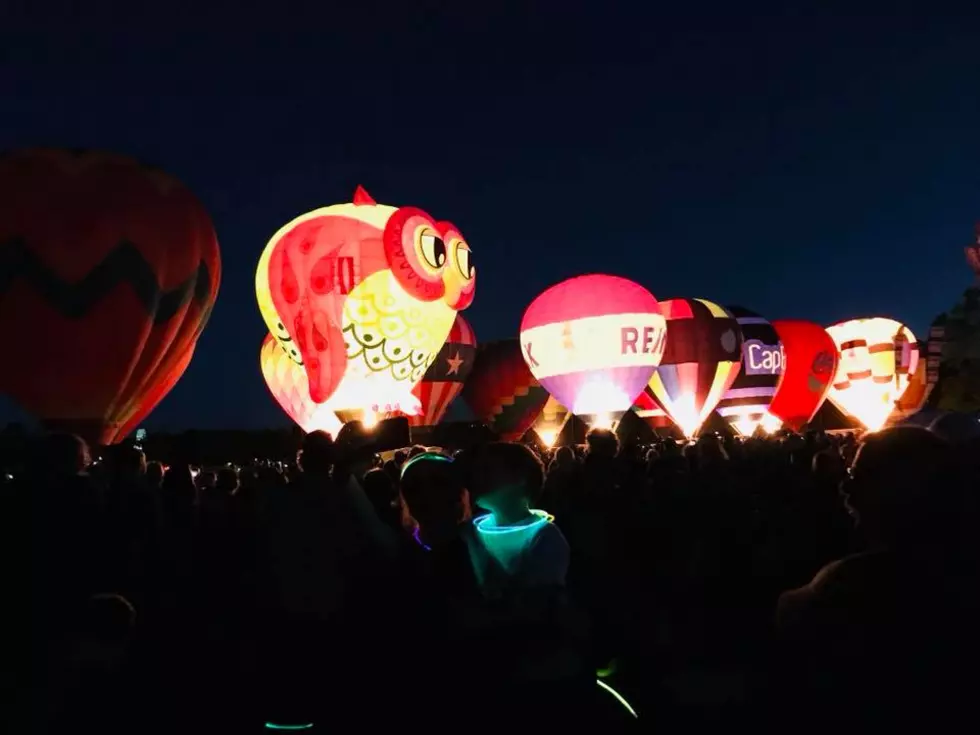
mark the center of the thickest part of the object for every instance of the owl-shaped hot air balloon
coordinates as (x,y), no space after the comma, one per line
(288,385)
(364,295)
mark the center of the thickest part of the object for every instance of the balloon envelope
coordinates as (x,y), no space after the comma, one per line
(289,386)
(502,392)
(701,361)
(112,267)
(594,341)
(364,295)
(877,358)
(745,405)
(444,379)
(811,362)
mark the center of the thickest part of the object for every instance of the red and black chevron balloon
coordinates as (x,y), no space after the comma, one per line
(501,391)
(108,270)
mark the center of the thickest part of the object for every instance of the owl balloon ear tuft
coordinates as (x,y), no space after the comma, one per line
(361,197)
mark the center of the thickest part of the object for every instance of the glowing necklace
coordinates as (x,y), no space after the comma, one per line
(488,524)
(419,541)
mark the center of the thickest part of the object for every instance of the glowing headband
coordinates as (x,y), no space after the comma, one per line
(433,456)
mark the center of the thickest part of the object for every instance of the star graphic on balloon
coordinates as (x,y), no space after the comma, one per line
(455,363)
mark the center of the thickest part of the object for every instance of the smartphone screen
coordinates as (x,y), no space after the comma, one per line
(384,436)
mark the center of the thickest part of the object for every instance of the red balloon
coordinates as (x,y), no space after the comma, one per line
(445,377)
(811,363)
(112,268)
(501,390)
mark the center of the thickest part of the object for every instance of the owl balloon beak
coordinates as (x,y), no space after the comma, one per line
(459,293)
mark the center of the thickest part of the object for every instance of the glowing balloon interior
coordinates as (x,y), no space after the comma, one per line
(593,342)
(701,360)
(363,296)
(552,420)
(878,356)
(289,386)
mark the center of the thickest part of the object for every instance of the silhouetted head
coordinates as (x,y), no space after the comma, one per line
(501,474)
(711,451)
(433,491)
(381,491)
(227,482)
(564,457)
(154,475)
(63,455)
(125,461)
(318,453)
(603,443)
(901,482)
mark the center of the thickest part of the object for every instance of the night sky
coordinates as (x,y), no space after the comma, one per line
(794,162)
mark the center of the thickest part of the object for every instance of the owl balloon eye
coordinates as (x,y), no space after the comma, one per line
(432,249)
(464,260)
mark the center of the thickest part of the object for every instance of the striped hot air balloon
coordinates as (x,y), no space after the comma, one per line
(700,362)
(445,377)
(745,405)
(501,391)
(593,342)
(878,356)
(914,397)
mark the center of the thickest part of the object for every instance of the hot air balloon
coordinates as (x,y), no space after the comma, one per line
(593,342)
(914,397)
(701,361)
(289,386)
(445,377)
(552,420)
(877,358)
(364,295)
(810,364)
(112,268)
(954,347)
(501,391)
(745,405)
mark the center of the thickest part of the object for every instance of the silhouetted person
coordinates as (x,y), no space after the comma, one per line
(887,634)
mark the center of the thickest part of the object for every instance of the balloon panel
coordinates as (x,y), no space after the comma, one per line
(700,361)
(594,341)
(811,362)
(915,395)
(747,401)
(367,295)
(877,358)
(444,379)
(501,391)
(289,386)
(115,268)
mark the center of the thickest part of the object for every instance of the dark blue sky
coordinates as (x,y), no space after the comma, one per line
(796,162)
